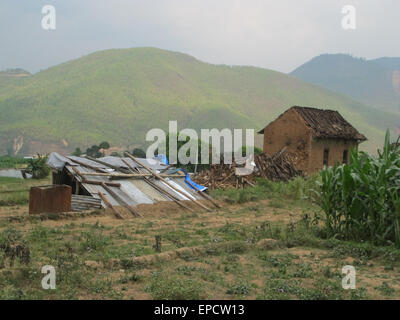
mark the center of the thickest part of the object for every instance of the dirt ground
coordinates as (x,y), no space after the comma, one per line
(247,251)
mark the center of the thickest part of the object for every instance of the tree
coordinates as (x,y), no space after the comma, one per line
(115,154)
(77,152)
(94,151)
(137,152)
(190,166)
(104,145)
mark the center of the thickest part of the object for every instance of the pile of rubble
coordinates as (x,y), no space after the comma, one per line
(223,176)
(278,167)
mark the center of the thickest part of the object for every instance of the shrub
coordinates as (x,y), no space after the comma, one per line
(38,167)
(139,153)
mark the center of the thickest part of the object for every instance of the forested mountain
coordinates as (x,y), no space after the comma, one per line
(372,82)
(118,95)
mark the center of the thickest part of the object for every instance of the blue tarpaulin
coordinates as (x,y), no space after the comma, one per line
(190,183)
(193,185)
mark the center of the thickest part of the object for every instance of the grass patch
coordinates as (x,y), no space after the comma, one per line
(165,287)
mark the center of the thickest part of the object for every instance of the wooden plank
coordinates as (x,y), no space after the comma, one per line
(121,201)
(204,195)
(109,205)
(127,175)
(110,184)
(84,180)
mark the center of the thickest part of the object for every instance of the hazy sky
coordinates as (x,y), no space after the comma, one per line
(279,35)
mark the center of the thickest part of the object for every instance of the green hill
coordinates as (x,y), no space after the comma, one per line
(369,81)
(10,76)
(118,95)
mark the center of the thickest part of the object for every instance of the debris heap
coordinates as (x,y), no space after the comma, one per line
(278,167)
(222,176)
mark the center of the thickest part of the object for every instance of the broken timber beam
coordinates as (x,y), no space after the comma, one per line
(87,165)
(186,195)
(110,184)
(109,205)
(161,190)
(204,195)
(120,200)
(84,180)
(127,176)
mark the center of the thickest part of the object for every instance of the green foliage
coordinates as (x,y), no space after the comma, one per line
(361,200)
(298,188)
(166,287)
(77,152)
(104,145)
(139,153)
(242,288)
(256,151)
(386,289)
(118,95)
(189,166)
(94,151)
(38,167)
(12,162)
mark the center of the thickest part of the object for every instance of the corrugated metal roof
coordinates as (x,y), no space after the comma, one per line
(132,191)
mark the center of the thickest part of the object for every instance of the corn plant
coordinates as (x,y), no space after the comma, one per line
(361,199)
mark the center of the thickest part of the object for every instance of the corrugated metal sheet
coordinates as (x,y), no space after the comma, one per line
(132,191)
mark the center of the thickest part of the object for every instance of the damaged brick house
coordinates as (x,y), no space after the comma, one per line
(315,137)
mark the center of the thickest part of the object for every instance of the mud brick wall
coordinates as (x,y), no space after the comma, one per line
(336,148)
(289,130)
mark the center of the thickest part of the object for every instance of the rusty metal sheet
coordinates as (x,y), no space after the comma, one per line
(50,199)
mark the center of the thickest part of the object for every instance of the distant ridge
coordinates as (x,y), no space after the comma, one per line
(118,95)
(372,82)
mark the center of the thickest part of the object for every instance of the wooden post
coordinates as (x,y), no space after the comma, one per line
(157,246)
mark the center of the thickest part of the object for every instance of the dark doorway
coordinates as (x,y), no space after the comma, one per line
(326,156)
(345,156)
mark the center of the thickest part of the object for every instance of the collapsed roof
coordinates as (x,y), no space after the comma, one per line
(122,181)
(327,124)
